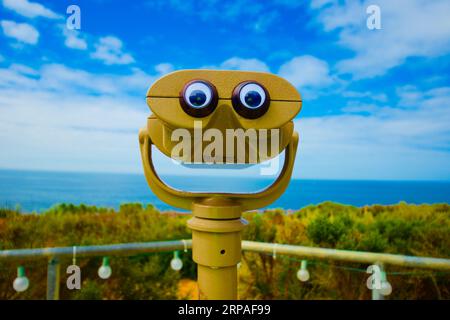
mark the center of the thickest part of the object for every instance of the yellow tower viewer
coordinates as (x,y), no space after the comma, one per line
(227,101)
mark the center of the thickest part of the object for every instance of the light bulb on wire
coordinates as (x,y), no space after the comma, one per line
(386,288)
(303,273)
(176,263)
(21,283)
(105,270)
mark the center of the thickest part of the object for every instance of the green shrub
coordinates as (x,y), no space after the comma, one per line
(420,230)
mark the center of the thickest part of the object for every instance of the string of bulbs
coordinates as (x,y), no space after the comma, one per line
(392,273)
(21,282)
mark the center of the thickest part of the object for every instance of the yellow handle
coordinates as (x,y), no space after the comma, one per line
(247,201)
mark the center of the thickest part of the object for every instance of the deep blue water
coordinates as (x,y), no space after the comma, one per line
(37,191)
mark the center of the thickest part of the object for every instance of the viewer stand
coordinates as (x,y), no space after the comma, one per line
(216,247)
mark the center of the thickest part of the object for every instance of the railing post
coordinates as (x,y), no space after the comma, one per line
(376,295)
(53,272)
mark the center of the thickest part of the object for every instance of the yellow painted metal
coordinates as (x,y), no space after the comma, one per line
(217,223)
(184,199)
(161,136)
(217,283)
(163,98)
(216,248)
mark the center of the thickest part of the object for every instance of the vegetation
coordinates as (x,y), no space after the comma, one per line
(421,230)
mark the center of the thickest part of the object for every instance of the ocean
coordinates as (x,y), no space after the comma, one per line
(40,190)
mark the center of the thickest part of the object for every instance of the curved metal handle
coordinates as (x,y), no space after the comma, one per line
(247,201)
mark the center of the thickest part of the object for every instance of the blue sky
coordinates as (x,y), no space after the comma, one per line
(376,102)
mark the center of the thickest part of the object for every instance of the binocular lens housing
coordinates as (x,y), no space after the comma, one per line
(249,125)
(250,100)
(198,98)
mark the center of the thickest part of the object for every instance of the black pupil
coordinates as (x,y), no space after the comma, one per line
(253,99)
(197,98)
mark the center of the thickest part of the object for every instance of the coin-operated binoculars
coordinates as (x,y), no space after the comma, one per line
(232,105)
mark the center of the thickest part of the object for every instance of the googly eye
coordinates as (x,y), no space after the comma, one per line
(252,95)
(250,100)
(198,95)
(198,98)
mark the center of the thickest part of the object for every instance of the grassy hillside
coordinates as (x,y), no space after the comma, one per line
(403,229)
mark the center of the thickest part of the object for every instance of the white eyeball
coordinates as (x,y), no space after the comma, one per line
(252,95)
(198,95)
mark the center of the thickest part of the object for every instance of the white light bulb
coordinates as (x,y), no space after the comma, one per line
(176,264)
(104,272)
(386,288)
(21,284)
(303,275)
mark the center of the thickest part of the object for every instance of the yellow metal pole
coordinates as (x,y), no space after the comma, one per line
(216,247)
(217,224)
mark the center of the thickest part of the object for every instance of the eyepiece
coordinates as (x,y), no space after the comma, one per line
(198,98)
(250,100)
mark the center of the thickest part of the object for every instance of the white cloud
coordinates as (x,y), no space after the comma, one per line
(316,4)
(410,28)
(256,15)
(387,143)
(236,63)
(381,97)
(359,107)
(10,78)
(164,68)
(30,9)
(73,39)
(22,32)
(305,71)
(23,69)
(409,95)
(68,81)
(71,119)
(109,50)
(309,74)
(50,131)
(344,147)
(61,78)
(263,23)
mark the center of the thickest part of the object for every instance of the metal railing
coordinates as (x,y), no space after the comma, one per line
(129,249)
(347,255)
(54,254)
